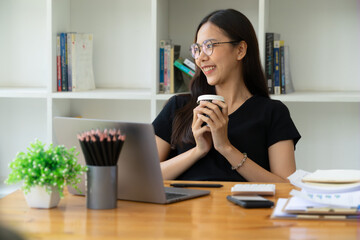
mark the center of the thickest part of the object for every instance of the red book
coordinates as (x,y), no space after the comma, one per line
(58,64)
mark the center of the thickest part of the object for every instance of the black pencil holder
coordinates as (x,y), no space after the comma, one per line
(101,187)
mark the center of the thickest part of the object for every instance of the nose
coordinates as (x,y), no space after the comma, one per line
(202,56)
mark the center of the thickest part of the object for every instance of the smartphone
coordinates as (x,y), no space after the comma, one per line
(209,185)
(250,201)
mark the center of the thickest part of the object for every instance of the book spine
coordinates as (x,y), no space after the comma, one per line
(161,72)
(289,88)
(63,61)
(167,50)
(282,68)
(69,57)
(183,68)
(168,83)
(73,62)
(58,64)
(189,64)
(277,88)
(172,74)
(269,59)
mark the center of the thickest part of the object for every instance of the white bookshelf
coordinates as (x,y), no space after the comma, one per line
(323,36)
(20,92)
(317,96)
(124,94)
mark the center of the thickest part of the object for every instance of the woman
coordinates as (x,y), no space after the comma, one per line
(250,137)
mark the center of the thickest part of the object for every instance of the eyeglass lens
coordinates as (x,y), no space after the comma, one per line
(196,49)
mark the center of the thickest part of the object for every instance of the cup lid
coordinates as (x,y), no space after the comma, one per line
(210,97)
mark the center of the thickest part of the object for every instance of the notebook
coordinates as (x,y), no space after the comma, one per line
(139,173)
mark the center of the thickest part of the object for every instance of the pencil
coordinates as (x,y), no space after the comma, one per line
(103,144)
(96,146)
(91,150)
(84,149)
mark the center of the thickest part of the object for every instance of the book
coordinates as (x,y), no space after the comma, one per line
(82,62)
(179,64)
(70,46)
(289,87)
(321,198)
(172,75)
(279,213)
(334,200)
(64,83)
(269,59)
(189,63)
(277,70)
(179,81)
(299,205)
(167,67)
(163,43)
(282,67)
(58,64)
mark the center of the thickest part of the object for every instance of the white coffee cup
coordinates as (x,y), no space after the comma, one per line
(209,98)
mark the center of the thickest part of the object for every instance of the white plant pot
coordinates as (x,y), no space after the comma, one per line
(39,198)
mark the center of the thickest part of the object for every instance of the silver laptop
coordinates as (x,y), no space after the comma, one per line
(139,173)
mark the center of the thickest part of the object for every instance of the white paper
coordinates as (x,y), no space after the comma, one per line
(278,210)
(334,176)
(296,180)
(345,200)
(300,204)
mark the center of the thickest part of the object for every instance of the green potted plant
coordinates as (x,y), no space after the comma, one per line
(45,172)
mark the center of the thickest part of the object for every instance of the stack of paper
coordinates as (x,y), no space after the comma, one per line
(325,194)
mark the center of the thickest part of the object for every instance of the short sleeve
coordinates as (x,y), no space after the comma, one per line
(163,122)
(281,125)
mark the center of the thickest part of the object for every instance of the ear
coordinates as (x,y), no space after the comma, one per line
(241,50)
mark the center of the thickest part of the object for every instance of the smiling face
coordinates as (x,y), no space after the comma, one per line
(224,63)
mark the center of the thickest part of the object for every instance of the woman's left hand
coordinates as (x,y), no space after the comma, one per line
(217,122)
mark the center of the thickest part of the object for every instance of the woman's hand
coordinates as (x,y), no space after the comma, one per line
(217,122)
(202,135)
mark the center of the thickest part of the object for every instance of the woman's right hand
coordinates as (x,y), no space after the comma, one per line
(202,135)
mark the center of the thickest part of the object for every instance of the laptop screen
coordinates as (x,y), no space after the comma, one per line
(139,173)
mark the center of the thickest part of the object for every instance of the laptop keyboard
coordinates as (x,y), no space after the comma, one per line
(174,195)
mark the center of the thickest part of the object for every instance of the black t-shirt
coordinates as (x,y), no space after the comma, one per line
(253,128)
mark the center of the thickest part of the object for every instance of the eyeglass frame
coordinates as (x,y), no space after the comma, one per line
(201,47)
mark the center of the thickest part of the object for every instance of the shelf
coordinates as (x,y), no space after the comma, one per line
(309,96)
(128,94)
(145,94)
(304,96)
(13,92)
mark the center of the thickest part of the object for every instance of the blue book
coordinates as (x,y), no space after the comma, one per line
(277,88)
(64,73)
(162,72)
(282,67)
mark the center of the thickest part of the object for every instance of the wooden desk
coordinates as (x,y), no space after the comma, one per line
(209,217)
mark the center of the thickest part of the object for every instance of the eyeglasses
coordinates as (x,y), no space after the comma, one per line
(207,47)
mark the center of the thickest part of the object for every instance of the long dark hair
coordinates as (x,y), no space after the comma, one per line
(237,27)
